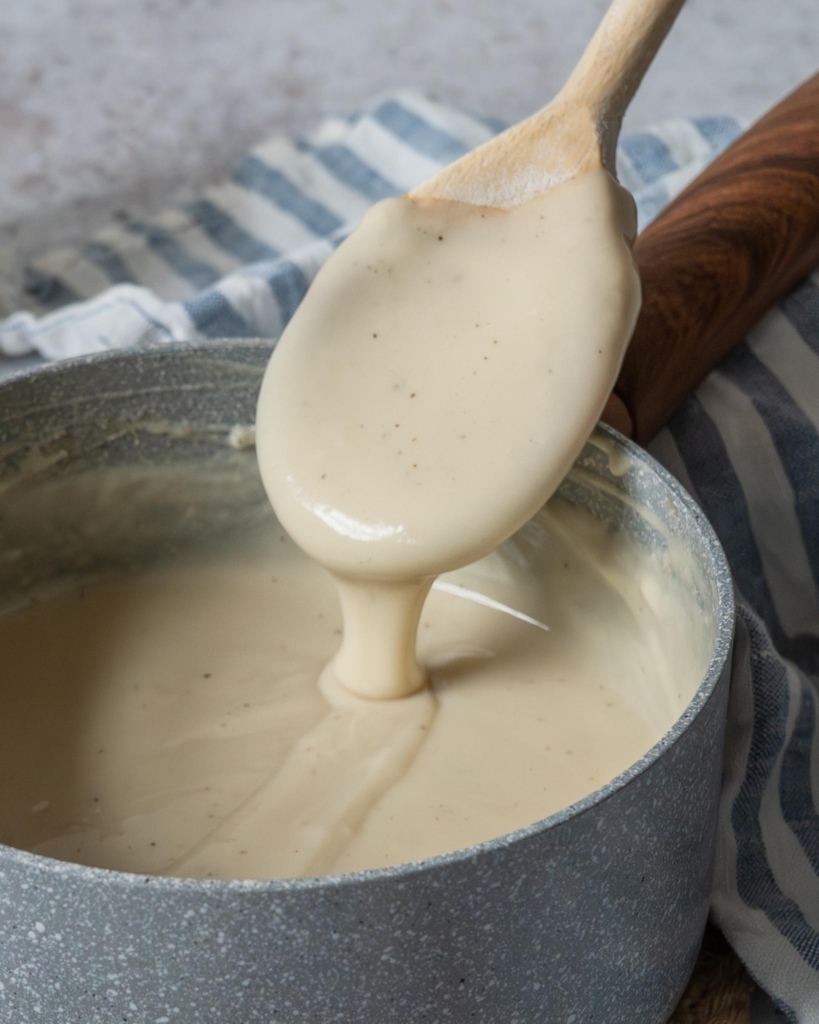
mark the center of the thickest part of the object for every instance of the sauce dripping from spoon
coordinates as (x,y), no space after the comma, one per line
(433,389)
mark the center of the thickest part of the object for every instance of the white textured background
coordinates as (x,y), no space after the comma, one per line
(107,103)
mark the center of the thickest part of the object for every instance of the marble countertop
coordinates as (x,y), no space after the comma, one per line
(131,103)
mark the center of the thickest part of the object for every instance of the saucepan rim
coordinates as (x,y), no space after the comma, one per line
(719,657)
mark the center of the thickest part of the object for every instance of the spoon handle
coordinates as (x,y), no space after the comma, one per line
(730,246)
(614,62)
(577,130)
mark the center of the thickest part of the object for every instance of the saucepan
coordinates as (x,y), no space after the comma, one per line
(595,913)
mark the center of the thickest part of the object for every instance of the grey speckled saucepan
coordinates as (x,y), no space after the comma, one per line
(592,916)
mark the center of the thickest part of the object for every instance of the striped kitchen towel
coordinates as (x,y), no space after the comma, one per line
(237,261)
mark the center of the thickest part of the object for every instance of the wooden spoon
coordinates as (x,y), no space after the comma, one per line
(339,476)
(578,131)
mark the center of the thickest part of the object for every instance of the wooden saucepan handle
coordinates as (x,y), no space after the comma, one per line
(719,256)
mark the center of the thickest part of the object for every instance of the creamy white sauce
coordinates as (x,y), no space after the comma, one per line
(172,722)
(427,398)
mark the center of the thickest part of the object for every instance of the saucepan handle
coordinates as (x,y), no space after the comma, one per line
(718,257)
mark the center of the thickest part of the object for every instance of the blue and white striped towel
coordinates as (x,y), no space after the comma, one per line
(238,261)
